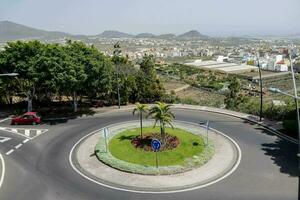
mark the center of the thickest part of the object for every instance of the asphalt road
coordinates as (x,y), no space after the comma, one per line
(40,170)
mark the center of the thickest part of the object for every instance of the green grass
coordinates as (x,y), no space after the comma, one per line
(190,145)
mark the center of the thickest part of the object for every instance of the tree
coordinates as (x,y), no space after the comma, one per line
(142,109)
(117,53)
(161,113)
(49,70)
(99,70)
(234,97)
(74,70)
(19,57)
(126,78)
(75,73)
(149,85)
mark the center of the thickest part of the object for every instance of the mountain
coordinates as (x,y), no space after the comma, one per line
(13,31)
(150,35)
(145,35)
(114,34)
(166,36)
(192,34)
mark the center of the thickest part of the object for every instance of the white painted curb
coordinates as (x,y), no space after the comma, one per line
(3,170)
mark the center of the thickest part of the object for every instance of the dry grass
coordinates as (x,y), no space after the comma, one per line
(201,97)
(171,84)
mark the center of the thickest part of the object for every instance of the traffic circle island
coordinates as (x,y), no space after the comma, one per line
(95,158)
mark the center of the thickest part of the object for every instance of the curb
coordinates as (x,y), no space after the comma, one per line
(3,170)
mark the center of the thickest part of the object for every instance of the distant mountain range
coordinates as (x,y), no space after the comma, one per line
(13,31)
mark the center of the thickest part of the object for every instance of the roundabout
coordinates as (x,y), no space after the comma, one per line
(219,163)
(44,168)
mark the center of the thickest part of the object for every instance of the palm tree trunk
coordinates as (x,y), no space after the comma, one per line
(162,131)
(141,122)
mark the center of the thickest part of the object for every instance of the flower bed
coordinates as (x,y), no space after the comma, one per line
(171,141)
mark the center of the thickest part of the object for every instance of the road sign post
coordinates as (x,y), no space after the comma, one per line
(105,132)
(207,128)
(156,144)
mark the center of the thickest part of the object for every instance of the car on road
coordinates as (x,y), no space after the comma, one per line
(26,118)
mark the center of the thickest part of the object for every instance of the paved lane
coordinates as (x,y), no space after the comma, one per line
(41,169)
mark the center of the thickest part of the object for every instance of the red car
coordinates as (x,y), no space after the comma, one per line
(27,118)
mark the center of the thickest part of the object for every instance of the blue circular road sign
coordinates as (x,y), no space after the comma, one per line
(155,144)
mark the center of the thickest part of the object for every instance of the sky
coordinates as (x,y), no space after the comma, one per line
(210,17)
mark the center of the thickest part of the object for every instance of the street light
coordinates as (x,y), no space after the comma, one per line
(276,90)
(296,98)
(10,74)
(261,89)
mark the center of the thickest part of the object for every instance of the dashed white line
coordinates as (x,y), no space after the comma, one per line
(9,152)
(18,146)
(25,140)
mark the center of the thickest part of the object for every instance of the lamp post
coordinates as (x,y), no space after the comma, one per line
(261,89)
(298,118)
(296,98)
(117,53)
(276,90)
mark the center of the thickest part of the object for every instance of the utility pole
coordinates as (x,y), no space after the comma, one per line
(261,88)
(117,53)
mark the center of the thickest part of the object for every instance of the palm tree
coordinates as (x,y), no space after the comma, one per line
(161,112)
(141,108)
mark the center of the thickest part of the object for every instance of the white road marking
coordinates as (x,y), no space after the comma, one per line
(4,119)
(4,139)
(27,132)
(39,132)
(25,140)
(160,192)
(9,152)
(18,146)
(3,169)
(12,130)
(35,132)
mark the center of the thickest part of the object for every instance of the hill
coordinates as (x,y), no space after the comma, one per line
(145,35)
(13,31)
(167,36)
(114,34)
(192,34)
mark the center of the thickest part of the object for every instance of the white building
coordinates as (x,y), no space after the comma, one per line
(281,66)
(222,58)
